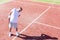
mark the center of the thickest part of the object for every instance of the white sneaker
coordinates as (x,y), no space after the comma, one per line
(17,34)
(10,34)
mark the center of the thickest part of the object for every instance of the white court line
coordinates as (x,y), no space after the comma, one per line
(34,21)
(22,2)
(46,25)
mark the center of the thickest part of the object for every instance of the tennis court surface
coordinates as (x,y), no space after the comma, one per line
(38,21)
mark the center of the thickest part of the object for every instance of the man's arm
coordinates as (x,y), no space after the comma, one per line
(9,16)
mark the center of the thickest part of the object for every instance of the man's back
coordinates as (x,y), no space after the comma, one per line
(14,15)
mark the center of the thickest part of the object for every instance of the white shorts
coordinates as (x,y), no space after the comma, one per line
(12,25)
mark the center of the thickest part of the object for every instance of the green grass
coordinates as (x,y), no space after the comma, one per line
(3,1)
(49,1)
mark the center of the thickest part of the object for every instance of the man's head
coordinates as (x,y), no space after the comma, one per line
(20,9)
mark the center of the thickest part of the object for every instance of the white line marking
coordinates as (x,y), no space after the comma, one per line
(38,4)
(48,25)
(33,21)
(26,3)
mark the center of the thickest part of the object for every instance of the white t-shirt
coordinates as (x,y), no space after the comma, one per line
(14,15)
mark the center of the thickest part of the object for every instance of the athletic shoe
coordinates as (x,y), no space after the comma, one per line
(17,34)
(10,34)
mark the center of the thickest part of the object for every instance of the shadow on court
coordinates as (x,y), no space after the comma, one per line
(42,37)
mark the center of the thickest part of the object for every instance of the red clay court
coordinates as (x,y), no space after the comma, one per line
(36,19)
